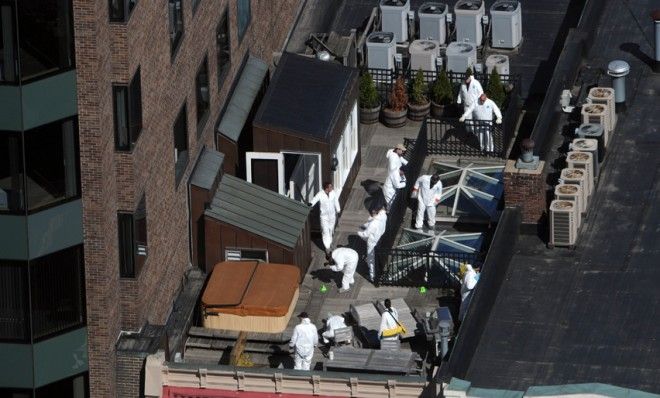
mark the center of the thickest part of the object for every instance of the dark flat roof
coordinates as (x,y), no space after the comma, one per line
(305,96)
(592,314)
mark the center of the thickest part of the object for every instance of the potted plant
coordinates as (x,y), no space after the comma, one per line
(394,114)
(418,105)
(441,94)
(369,100)
(495,88)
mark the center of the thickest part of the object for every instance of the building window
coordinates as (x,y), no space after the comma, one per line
(7,44)
(180,144)
(224,55)
(14,301)
(243,17)
(74,387)
(176,24)
(347,150)
(132,231)
(120,10)
(127,105)
(202,94)
(239,254)
(57,290)
(12,192)
(51,161)
(45,37)
(195,3)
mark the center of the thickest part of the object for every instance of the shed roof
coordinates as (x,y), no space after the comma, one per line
(258,210)
(240,103)
(305,96)
(207,168)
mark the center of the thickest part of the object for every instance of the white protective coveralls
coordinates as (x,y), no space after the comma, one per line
(329,207)
(388,320)
(346,261)
(395,180)
(373,230)
(333,323)
(305,338)
(394,161)
(427,198)
(484,112)
(469,282)
(469,94)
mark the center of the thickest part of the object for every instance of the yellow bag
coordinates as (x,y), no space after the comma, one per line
(399,329)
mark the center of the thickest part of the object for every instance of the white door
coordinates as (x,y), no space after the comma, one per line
(303,175)
(266,169)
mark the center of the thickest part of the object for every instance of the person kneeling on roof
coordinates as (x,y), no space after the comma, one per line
(305,338)
(333,323)
(344,259)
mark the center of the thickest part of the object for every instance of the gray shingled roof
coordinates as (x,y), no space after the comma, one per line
(207,168)
(242,98)
(258,210)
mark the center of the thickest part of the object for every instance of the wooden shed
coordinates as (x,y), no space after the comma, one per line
(306,130)
(247,222)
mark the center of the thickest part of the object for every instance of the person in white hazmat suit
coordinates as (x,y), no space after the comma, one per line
(305,337)
(389,319)
(395,180)
(333,323)
(483,111)
(371,232)
(395,158)
(345,260)
(469,282)
(469,92)
(428,189)
(328,208)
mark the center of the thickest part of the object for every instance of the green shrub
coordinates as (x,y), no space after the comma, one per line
(398,99)
(441,91)
(369,97)
(495,89)
(418,89)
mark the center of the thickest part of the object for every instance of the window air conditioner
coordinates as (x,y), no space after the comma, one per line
(563,223)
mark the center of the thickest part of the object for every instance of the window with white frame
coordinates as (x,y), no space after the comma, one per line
(347,149)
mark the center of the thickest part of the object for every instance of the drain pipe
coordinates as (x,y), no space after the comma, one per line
(655,15)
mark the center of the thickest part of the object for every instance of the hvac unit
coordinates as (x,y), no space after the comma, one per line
(394,17)
(583,161)
(506,24)
(577,177)
(593,131)
(380,50)
(461,56)
(563,223)
(424,55)
(591,146)
(571,192)
(604,96)
(598,113)
(433,21)
(468,21)
(499,62)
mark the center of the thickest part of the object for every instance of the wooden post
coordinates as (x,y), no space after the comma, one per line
(238,349)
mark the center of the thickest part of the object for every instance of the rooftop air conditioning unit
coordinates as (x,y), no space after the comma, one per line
(424,55)
(395,18)
(468,21)
(593,131)
(433,21)
(583,161)
(380,50)
(573,193)
(461,56)
(598,113)
(604,96)
(563,223)
(506,25)
(591,146)
(577,177)
(499,62)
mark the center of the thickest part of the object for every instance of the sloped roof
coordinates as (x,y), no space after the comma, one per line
(258,210)
(207,168)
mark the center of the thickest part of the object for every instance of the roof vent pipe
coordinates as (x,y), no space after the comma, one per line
(323,55)
(619,69)
(655,15)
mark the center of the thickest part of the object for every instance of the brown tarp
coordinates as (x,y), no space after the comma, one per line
(250,288)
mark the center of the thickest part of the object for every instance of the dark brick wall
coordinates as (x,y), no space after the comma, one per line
(111,53)
(526,189)
(130,375)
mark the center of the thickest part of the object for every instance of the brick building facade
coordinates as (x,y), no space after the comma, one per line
(110,54)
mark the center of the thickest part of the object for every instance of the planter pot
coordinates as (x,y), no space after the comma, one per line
(393,118)
(437,110)
(418,112)
(369,115)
